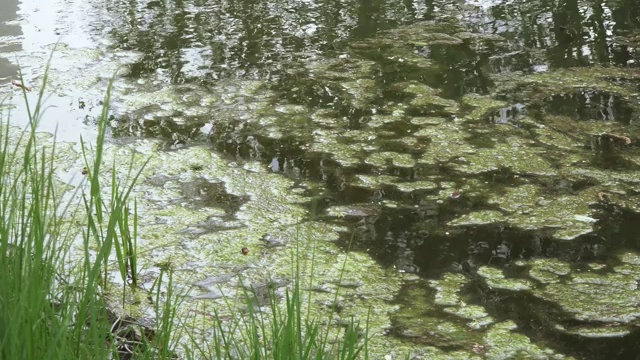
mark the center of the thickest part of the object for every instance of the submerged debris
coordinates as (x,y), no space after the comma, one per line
(19,84)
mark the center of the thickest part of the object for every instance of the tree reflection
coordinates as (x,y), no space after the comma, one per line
(626,21)
(256,39)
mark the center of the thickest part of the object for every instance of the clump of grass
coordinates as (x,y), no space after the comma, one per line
(39,310)
(48,310)
(112,230)
(284,331)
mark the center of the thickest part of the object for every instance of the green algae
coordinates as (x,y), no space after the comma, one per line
(417,89)
(529,208)
(446,143)
(438,39)
(481,106)
(435,353)
(596,332)
(509,155)
(374,182)
(479,218)
(416,185)
(607,299)
(425,97)
(551,137)
(496,279)
(548,270)
(363,92)
(424,323)
(630,258)
(346,155)
(386,158)
(595,297)
(352,211)
(341,69)
(409,143)
(427,33)
(526,207)
(420,120)
(504,343)
(471,312)
(597,266)
(431,323)
(361,136)
(447,289)
(378,121)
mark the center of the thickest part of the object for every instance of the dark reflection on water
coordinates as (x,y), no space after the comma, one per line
(586,105)
(256,38)
(205,42)
(243,38)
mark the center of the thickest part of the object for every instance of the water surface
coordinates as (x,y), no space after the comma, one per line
(489,147)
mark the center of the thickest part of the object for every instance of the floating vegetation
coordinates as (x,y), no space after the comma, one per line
(492,151)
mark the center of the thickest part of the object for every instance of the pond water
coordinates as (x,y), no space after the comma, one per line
(487,148)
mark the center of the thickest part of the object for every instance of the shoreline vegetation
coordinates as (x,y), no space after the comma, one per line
(51,309)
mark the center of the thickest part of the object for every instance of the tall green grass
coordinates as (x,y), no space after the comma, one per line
(49,310)
(38,310)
